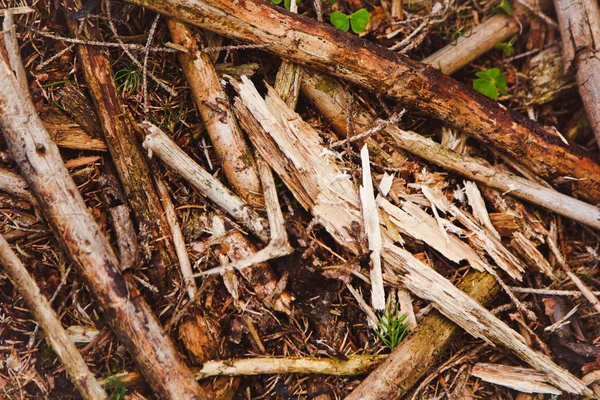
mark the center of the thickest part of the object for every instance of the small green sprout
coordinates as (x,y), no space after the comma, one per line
(393,327)
(115,388)
(129,79)
(358,20)
(286,3)
(504,6)
(490,82)
(507,47)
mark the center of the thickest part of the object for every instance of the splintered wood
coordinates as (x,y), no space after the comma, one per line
(275,131)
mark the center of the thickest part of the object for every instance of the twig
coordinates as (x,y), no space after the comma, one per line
(549,292)
(585,291)
(157,142)
(131,56)
(45,316)
(184,261)
(278,245)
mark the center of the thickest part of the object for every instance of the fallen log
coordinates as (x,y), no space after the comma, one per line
(308,42)
(125,310)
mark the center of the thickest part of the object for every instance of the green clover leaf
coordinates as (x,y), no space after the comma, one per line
(504,6)
(359,20)
(490,82)
(340,21)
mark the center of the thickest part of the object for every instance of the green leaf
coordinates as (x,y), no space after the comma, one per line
(486,88)
(276,1)
(340,21)
(504,6)
(506,48)
(493,73)
(359,20)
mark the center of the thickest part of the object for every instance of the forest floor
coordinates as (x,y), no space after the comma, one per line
(327,286)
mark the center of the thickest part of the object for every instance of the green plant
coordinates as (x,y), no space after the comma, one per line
(128,78)
(504,6)
(392,328)
(490,82)
(358,20)
(507,47)
(115,388)
(286,3)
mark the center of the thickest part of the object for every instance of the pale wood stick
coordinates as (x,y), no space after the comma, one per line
(225,135)
(579,22)
(125,310)
(178,241)
(157,142)
(524,380)
(372,228)
(289,76)
(417,85)
(74,364)
(12,48)
(356,364)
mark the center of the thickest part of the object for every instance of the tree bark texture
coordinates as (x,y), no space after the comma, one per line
(308,42)
(125,147)
(579,22)
(125,310)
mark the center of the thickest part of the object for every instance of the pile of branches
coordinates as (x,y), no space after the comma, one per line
(371,203)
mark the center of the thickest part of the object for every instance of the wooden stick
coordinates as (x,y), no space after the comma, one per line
(125,310)
(356,364)
(579,22)
(124,145)
(157,142)
(74,364)
(477,41)
(227,139)
(307,42)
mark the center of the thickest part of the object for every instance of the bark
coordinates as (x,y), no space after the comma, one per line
(308,42)
(547,80)
(124,146)
(124,308)
(524,380)
(227,139)
(45,316)
(67,133)
(579,22)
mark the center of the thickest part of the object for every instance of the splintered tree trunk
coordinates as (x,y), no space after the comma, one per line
(125,149)
(308,42)
(125,309)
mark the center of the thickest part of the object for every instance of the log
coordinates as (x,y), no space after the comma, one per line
(125,310)
(125,148)
(579,22)
(419,86)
